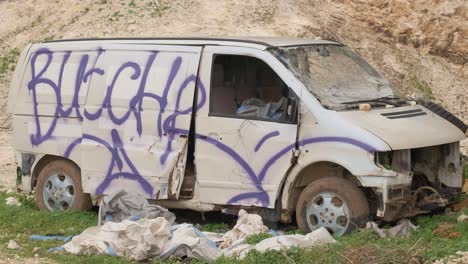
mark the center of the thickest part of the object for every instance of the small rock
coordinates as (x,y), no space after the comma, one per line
(462,218)
(36,250)
(12,201)
(13,245)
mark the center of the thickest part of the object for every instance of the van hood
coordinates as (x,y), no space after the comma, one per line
(406,127)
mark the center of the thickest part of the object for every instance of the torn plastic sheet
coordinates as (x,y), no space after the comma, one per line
(403,228)
(247,224)
(318,237)
(146,238)
(124,206)
(134,239)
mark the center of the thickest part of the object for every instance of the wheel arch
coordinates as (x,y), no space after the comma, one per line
(42,162)
(301,176)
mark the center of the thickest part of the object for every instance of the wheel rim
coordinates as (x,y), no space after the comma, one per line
(59,192)
(328,210)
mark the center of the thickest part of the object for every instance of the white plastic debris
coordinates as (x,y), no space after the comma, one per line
(123,206)
(462,218)
(403,228)
(134,239)
(247,224)
(189,242)
(143,239)
(318,237)
(12,201)
(13,245)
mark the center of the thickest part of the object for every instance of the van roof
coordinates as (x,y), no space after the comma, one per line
(256,42)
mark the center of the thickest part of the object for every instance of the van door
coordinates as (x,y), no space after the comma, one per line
(246,136)
(137,118)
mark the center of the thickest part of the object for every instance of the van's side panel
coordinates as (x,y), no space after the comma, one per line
(136,120)
(49,99)
(121,112)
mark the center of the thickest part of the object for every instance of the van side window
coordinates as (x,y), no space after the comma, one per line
(247,88)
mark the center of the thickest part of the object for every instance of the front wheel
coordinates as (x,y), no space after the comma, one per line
(334,203)
(59,188)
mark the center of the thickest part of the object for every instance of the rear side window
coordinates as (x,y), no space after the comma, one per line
(247,88)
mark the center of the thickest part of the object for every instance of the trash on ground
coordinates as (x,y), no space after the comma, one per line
(318,237)
(13,245)
(125,206)
(143,239)
(247,224)
(50,237)
(155,237)
(403,229)
(462,218)
(12,201)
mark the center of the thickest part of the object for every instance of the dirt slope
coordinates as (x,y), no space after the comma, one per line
(420,45)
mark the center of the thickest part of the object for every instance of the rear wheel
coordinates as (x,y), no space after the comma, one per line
(334,203)
(59,188)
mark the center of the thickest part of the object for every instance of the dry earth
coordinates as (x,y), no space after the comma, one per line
(420,45)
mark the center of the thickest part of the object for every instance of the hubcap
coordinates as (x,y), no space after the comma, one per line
(59,192)
(328,210)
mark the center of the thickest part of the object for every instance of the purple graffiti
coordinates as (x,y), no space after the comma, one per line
(265,138)
(116,148)
(165,126)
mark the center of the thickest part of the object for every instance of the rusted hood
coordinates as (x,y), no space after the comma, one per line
(406,127)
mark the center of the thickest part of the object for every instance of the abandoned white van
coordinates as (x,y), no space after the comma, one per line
(279,126)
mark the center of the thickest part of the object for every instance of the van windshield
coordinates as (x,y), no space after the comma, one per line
(338,77)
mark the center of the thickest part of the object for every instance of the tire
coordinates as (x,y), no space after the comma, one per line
(59,188)
(334,203)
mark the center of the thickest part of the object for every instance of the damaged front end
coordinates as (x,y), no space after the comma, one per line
(429,178)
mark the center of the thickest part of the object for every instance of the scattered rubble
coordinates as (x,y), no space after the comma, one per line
(12,201)
(459,258)
(13,245)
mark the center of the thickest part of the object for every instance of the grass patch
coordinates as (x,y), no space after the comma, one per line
(8,62)
(256,238)
(215,227)
(466,171)
(421,86)
(424,245)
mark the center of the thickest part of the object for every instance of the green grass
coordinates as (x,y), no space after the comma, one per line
(466,171)
(19,223)
(8,62)
(256,238)
(215,227)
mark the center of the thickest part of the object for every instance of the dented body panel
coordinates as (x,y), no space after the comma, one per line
(151,116)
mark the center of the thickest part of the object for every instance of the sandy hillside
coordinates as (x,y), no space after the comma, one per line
(420,45)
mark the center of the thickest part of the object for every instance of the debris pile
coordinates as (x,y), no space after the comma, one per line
(134,228)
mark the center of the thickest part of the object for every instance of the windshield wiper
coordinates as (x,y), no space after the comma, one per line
(385,99)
